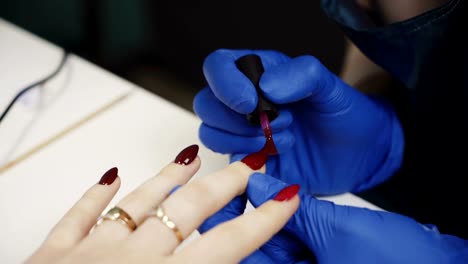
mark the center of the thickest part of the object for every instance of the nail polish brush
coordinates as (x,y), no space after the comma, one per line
(265,111)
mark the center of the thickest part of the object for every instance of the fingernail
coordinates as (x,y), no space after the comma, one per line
(187,155)
(109,177)
(255,160)
(287,193)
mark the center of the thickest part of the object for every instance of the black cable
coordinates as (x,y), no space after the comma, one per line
(40,82)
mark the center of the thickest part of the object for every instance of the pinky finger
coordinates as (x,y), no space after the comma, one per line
(234,240)
(78,221)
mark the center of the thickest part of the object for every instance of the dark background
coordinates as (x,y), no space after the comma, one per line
(160,45)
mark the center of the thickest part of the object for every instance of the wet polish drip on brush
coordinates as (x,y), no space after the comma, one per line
(257,159)
(269,144)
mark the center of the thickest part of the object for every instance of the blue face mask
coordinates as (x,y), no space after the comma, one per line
(407,49)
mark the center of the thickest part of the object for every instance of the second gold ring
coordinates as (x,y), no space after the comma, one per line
(159,213)
(119,215)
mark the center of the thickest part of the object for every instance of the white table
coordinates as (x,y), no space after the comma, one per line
(139,133)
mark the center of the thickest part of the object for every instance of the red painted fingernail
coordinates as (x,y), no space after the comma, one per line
(109,177)
(187,155)
(255,160)
(287,193)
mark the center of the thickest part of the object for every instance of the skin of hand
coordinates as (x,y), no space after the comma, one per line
(323,232)
(330,137)
(71,241)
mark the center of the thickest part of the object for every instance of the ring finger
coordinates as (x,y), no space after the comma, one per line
(152,192)
(199,199)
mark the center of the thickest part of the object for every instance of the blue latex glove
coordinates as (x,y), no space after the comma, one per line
(345,234)
(330,137)
(282,248)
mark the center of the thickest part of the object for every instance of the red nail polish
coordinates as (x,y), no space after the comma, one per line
(187,155)
(256,160)
(287,193)
(109,177)
(270,144)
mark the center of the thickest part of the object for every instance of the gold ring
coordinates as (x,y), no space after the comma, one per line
(158,212)
(118,214)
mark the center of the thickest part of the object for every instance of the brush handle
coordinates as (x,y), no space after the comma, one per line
(251,66)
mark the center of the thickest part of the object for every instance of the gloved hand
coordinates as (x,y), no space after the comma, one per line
(323,232)
(345,234)
(330,137)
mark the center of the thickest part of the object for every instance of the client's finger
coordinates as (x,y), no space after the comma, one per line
(77,222)
(152,192)
(189,207)
(232,210)
(234,240)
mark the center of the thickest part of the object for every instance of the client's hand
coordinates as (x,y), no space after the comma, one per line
(150,223)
